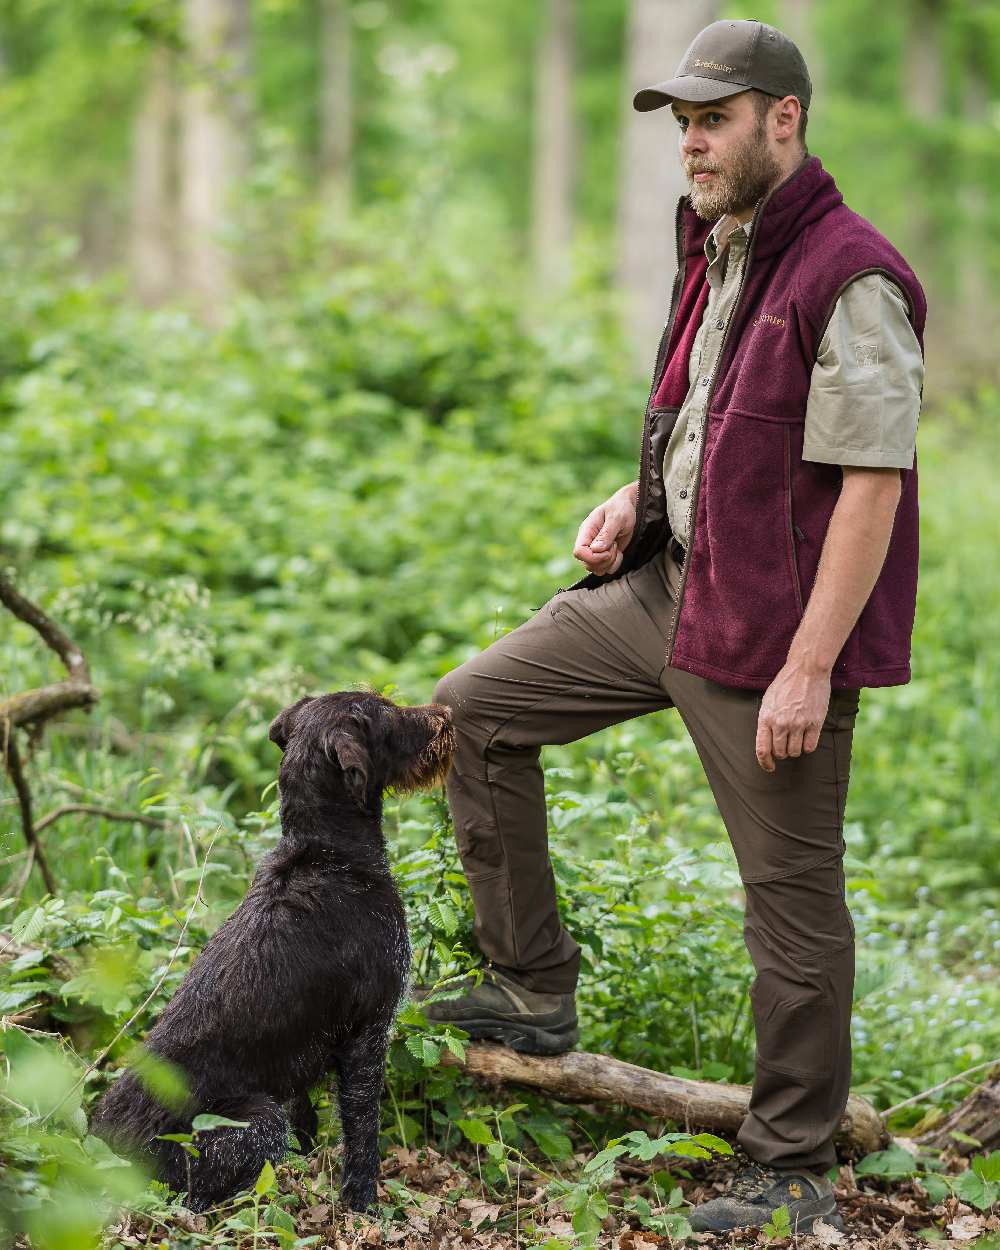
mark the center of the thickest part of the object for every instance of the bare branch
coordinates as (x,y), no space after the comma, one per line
(50,633)
(38,705)
(13,762)
(91,809)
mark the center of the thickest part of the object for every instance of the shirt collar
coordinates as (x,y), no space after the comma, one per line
(718,236)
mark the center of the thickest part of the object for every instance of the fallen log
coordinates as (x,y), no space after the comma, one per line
(977,1116)
(715,1106)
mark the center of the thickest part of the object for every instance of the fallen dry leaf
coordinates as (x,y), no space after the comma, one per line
(896,1236)
(966,1227)
(827,1235)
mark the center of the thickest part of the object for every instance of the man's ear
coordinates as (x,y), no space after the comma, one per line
(283,724)
(347,749)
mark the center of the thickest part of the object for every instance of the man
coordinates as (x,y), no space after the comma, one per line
(759,572)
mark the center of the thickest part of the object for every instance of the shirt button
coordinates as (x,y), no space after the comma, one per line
(704,381)
(691,437)
(719,325)
(684,494)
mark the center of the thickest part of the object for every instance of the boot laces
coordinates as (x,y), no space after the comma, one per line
(753,1180)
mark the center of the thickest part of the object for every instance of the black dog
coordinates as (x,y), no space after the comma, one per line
(306,975)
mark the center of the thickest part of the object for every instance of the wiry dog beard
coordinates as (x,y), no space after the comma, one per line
(747,175)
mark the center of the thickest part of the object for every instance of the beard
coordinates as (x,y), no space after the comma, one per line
(748,174)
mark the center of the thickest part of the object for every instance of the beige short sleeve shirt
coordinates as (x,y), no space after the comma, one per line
(864,391)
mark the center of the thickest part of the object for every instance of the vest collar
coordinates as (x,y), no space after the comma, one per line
(807,194)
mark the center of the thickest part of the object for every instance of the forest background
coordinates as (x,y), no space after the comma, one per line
(325,324)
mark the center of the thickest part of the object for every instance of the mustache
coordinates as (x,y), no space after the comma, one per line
(691,170)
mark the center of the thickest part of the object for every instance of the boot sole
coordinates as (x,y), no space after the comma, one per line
(526,1039)
(802,1225)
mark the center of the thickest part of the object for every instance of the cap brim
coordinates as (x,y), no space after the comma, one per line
(686,87)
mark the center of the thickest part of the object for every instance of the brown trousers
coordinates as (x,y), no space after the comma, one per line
(593,658)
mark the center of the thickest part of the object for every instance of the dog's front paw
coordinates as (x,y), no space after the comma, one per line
(358,1193)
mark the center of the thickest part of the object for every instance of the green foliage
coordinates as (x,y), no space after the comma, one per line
(978,1185)
(367,479)
(778,1226)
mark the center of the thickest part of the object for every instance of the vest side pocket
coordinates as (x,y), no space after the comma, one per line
(790,522)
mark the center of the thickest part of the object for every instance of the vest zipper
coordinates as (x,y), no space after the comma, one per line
(693,506)
(661,358)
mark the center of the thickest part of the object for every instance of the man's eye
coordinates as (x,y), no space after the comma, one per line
(715,118)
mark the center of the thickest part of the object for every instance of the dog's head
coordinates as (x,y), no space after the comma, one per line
(362,743)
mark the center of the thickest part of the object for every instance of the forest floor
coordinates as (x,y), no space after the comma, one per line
(432,1203)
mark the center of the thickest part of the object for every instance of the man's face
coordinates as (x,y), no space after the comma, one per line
(727,154)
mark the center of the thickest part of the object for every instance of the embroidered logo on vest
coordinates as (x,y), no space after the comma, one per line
(867,354)
(768,319)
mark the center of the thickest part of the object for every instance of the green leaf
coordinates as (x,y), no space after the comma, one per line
(937,1187)
(278,1217)
(556,1145)
(689,1150)
(456,1046)
(513,1109)
(988,1166)
(267,1180)
(477,1132)
(605,1158)
(894,1162)
(779,1225)
(714,1143)
(971,1187)
(203,1123)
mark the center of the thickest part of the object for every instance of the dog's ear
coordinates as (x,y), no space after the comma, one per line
(346,747)
(284,722)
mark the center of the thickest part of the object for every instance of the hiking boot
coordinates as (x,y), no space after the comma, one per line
(500,1010)
(757,1191)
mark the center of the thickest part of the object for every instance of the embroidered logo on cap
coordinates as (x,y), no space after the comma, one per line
(726,69)
(867,354)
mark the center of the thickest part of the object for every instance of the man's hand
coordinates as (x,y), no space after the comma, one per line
(796,702)
(792,714)
(603,536)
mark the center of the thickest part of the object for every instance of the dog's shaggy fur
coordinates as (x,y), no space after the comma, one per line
(306,975)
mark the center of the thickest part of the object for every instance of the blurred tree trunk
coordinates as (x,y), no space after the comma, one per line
(555,155)
(923,84)
(652,179)
(153,207)
(924,87)
(975,296)
(215,131)
(335,104)
(797,20)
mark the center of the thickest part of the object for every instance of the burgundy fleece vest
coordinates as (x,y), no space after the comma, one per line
(761,511)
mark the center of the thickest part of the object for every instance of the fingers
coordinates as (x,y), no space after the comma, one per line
(810,740)
(765,747)
(775,742)
(590,528)
(599,544)
(601,562)
(793,748)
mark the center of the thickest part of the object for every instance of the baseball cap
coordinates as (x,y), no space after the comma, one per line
(731,56)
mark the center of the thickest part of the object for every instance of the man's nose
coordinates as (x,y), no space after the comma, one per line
(692,141)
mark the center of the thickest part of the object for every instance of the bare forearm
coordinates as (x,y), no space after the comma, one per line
(852,557)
